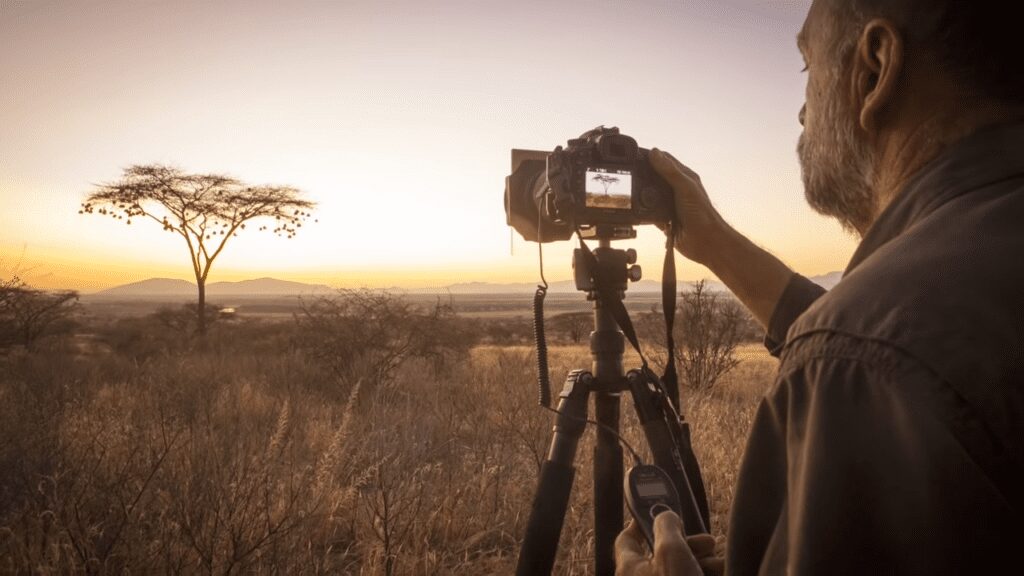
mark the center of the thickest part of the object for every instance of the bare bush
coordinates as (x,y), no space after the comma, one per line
(708,329)
(710,332)
(166,332)
(27,315)
(367,335)
(574,325)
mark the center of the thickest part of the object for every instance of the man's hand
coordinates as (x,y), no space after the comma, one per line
(703,230)
(673,555)
(756,277)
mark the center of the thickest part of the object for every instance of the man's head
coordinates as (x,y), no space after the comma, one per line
(890,83)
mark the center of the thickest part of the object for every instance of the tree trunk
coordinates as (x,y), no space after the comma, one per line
(201,309)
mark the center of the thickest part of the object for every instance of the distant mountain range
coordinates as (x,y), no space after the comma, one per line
(827,281)
(171,288)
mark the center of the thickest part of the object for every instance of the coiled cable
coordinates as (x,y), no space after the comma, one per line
(543,379)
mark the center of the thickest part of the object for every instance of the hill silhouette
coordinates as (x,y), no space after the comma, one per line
(168,287)
(176,288)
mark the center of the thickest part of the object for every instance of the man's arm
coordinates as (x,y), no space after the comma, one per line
(757,278)
(797,297)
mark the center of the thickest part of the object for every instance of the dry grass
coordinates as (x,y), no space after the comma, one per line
(260,461)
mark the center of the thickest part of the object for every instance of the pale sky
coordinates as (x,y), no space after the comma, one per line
(397,117)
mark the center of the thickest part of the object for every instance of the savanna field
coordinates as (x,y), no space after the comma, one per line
(363,435)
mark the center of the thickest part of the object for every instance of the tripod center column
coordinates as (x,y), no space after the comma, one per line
(607,345)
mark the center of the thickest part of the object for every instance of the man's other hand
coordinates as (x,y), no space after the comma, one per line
(674,555)
(702,228)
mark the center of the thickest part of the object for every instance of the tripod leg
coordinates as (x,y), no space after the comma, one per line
(540,544)
(608,473)
(669,453)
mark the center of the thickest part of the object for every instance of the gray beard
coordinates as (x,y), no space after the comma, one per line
(838,168)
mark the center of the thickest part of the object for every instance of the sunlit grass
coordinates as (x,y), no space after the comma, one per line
(249,457)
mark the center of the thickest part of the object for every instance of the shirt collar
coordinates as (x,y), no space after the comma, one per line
(988,156)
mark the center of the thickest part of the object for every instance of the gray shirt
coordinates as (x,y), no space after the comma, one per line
(892,441)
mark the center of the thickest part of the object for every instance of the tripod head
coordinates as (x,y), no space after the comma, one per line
(609,269)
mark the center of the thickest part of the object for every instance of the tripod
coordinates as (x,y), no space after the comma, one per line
(604,275)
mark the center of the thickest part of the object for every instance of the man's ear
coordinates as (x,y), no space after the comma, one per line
(877,67)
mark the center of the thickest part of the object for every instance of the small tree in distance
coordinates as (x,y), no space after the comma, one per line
(708,334)
(708,329)
(204,209)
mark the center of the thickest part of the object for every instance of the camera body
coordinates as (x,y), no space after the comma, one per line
(601,180)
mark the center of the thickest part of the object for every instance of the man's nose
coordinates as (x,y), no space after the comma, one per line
(803,114)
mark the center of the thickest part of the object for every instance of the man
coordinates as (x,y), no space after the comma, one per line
(893,438)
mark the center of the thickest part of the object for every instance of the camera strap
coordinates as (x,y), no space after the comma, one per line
(668,306)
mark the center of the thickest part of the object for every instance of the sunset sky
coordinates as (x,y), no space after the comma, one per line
(397,117)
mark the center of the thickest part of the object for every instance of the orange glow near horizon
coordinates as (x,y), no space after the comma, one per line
(396,117)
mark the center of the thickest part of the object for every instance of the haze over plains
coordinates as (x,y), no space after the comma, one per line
(397,117)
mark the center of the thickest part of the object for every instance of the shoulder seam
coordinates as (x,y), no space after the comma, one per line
(859,337)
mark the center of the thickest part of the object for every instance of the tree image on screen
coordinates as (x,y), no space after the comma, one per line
(605,180)
(609,189)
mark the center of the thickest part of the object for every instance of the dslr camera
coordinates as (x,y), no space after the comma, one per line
(601,183)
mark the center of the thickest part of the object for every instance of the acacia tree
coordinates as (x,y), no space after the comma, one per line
(206,210)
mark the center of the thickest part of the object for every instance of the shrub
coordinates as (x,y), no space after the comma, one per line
(28,315)
(708,328)
(367,335)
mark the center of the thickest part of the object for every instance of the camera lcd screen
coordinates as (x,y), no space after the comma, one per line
(606,188)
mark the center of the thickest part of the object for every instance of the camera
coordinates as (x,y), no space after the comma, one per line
(601,183)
